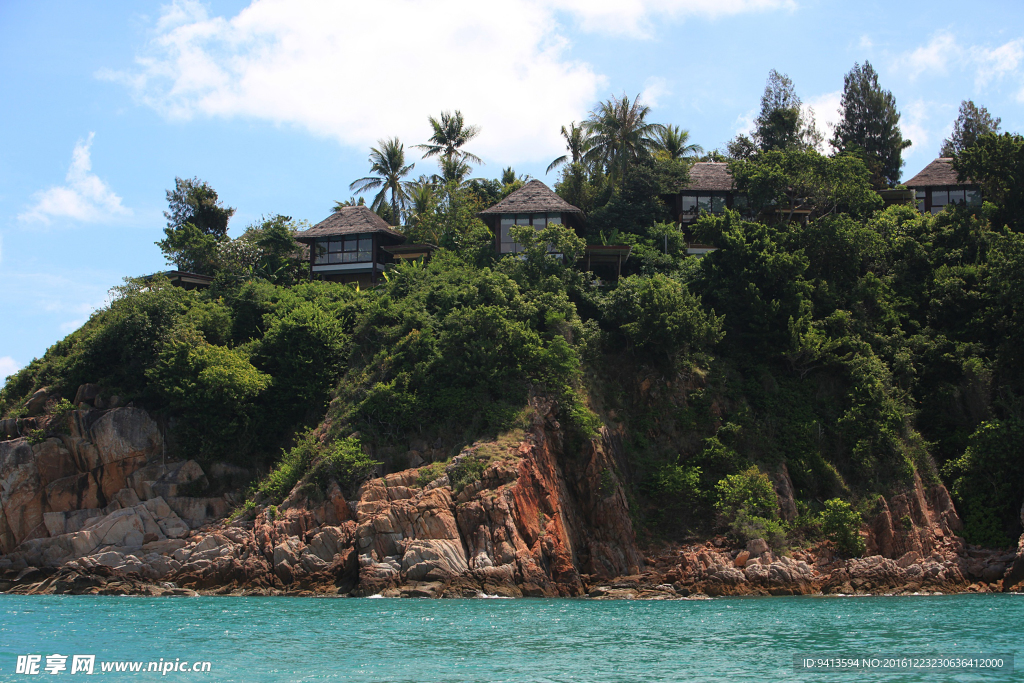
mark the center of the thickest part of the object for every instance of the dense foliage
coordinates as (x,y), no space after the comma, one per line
(832,342)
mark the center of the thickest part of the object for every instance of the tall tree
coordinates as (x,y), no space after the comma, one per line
(577,143)
(450,134)
(971,124)
(388,162)
(622,135)
(869,127)
(193,201)
(196,224)
(674,143)
(782,124)
(996,164)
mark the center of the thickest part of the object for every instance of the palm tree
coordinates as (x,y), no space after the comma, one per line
(450,134)
(621,134)
(351,201)
(672,142)
(421,197)
(577,141)
(453,169)
(388,163)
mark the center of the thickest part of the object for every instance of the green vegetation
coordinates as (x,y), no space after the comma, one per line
(841,525)
(850,344)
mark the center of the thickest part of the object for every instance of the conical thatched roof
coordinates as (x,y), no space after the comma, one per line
(349,220)
(710,176)
(533,197)
(939,172)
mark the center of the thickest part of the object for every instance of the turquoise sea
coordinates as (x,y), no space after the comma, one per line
(521,641)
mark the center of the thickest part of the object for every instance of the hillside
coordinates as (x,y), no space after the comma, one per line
(804,381)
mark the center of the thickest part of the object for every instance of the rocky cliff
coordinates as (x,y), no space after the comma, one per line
(100,510)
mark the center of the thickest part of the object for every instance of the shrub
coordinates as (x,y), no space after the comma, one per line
(467,471)
(678,480)
(62,408)
(748,503)
(841,524)
(987,480)
(431,472)
(750,490)
(345,462)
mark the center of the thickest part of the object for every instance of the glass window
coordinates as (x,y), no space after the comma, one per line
(554,218)
(335,245)
(704,203)
(539,221)
(689,203)
(335,257)
(320,252)
(523,219)
(718,204)
(956,196)
(507,245)
(973,198)
(920,200)
(940,197)
(351,243)
(365,249)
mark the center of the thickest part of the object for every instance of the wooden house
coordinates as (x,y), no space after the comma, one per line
(532,204)
(350,246)
(535,204)
(937,185)
(712,190)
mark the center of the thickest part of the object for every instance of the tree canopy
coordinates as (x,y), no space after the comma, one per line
(869,126)
(972,122)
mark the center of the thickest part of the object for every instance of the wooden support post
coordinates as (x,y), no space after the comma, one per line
(618,266)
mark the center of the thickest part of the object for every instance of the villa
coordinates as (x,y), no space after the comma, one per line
(937,185)
(350,246)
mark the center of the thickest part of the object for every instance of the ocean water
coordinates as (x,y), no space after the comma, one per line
(520,641)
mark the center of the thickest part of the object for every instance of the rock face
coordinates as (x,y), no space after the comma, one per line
(108,461)
(99,511)
(918,520)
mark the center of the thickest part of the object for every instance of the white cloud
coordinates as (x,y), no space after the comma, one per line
(943,52)
(825,109)
(83,197)
(934,56)
(995,63)
(914,126)
(634,17)
(357,72)
(655,88)
(8,366)
(744,124)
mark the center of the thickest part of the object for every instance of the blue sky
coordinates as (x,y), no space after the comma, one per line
(275,103)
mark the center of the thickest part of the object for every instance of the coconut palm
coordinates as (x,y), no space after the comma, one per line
(672,142)
(577,142)
(621,134)
(421,198)
(450,134)
(388,163)
(453,169)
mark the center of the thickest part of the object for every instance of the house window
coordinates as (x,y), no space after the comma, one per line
(921,194)
(973,198)
(708,202)
(506,244)
(349,249)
